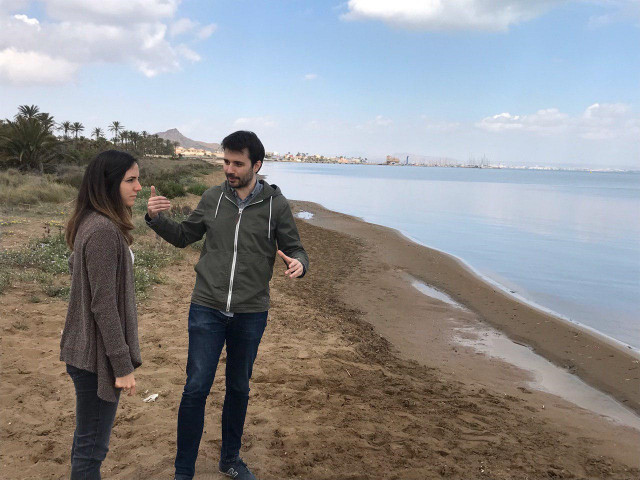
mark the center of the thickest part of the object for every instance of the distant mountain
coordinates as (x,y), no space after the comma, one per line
(175,136)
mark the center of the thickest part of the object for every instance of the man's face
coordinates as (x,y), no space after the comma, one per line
(238,168)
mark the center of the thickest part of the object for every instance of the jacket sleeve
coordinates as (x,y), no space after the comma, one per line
(180,234)
(101,260)
(288,238)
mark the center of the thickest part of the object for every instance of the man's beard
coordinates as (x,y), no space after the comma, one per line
(242,181)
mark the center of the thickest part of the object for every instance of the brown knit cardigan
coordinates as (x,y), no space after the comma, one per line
(101,330)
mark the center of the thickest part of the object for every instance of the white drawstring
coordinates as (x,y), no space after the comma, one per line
(269,226)
(216,215)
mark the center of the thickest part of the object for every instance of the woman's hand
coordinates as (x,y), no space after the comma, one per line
(157,204)
(127,383)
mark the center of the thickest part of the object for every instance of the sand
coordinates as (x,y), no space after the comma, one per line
(357,378)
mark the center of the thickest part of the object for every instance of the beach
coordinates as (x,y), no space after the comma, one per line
(607,365)
(358,376)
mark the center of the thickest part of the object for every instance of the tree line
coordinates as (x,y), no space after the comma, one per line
(33,140)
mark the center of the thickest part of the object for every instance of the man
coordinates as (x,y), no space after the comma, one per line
(245,223)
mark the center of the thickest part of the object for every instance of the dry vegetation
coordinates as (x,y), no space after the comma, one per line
(35,208)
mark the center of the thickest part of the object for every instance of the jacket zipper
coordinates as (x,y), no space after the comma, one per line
(235,250)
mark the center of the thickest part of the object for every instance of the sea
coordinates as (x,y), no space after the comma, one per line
(566,241)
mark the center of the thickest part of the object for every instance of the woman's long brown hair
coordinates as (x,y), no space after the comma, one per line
(100,192)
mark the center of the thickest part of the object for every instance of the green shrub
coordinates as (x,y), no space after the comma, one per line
(140,207)
(5,280)
(151,174)
(70,175)
(60,291)
(197,189)
(150,258)
(170,189)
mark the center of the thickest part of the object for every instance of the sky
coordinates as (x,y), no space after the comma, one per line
(520,82)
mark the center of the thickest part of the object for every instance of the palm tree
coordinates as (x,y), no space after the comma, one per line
(47,121)
(33,112)
(27,142)
(125,136)
(155,141)
(28,111)
(115,127)
(135,138)
(77,127)
(143,144)
(66,127)
(97,132)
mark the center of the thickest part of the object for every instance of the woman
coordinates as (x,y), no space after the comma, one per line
(100,337)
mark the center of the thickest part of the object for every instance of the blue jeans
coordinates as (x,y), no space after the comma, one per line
(94,419)
(208,331)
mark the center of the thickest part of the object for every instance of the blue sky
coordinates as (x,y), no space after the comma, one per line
(548,82)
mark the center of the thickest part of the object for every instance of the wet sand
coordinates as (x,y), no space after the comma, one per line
(358,377)
(600,362)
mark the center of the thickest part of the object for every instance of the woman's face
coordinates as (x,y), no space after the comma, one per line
(130,185)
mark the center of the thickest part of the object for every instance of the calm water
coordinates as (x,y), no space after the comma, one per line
(568,241)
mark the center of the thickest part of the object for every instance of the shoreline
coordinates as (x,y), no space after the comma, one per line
(614,342)
(604,363)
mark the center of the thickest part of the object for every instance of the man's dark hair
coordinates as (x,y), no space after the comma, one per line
(238,141)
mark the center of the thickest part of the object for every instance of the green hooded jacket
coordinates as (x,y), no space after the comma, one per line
(236,261)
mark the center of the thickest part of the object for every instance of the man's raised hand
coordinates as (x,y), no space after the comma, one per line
(157,204)
(294,267)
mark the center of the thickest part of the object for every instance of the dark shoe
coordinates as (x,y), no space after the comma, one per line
(237,470)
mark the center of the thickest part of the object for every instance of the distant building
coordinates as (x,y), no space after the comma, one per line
(192,152)
(392,160)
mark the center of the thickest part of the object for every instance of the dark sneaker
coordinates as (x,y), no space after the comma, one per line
(237,470)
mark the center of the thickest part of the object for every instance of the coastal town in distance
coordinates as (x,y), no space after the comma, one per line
(187,148)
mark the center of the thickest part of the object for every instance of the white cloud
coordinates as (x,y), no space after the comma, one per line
(619,11)
(12,5)
(189,54)
(206,31)
(29,21)
(137,32)
(310,76)
(606,111)
(548,121)
(34,68)
(112,11)
(487,15)
(607,121)
(255,122)
(597,122)
(186,25)
(181,26)
(381,121)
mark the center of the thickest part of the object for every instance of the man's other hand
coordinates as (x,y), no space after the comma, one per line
(294,267)
(157,204)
